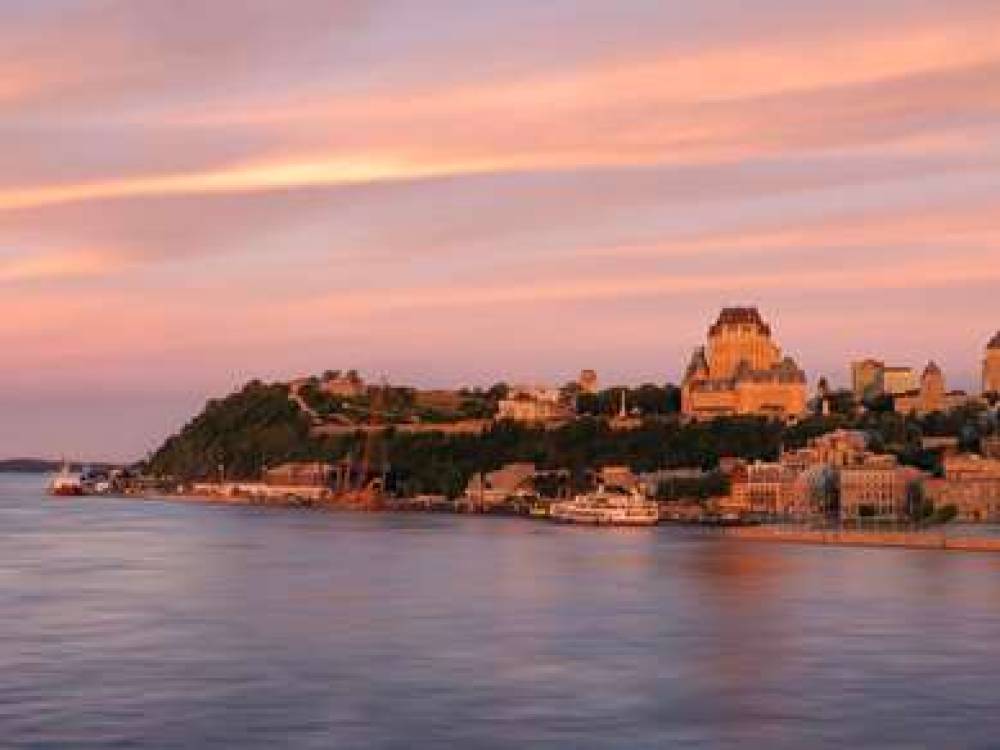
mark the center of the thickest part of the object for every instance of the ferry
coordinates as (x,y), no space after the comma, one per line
(608,506)
(66,483)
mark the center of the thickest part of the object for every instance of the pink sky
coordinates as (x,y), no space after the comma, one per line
(193,194)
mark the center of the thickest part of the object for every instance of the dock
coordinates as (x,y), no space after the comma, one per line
(937,540)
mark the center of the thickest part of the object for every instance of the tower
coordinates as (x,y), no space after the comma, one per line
(932,388)
(991,366)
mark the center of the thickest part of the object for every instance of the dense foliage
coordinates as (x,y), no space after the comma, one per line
(236,435)
(260,426)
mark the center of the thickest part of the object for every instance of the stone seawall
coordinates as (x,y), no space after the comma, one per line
(909,540)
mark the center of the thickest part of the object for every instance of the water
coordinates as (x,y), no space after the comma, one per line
(149,624)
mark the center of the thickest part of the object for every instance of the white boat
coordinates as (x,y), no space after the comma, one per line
(66,483)
(608,506)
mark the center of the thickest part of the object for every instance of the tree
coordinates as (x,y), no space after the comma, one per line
(944,515)
(918,507)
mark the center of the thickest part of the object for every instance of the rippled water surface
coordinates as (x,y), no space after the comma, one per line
(149,624)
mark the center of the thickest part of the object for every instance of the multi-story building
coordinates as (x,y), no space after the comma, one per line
(535,404)
(300,474)
(877,488)
(991,366)
(769,488)
(742,372)
(932,395)
(872,377)
(834,470)
(972,484)
(897,380)
(588,382)
(349,385)
(990,446)
(867,378)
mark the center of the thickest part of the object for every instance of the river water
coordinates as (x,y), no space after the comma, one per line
(166,625)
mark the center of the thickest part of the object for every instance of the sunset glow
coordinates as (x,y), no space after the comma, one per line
(196,194)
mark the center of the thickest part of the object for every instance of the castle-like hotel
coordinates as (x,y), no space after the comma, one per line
(742,372)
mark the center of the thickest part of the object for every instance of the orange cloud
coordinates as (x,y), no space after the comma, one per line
(722,103)
(953,271)
(47,266)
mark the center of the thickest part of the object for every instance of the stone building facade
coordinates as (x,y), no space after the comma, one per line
(533,404)
(932,395)
(867,378)
(834,470)
(972,484)
(742,372)
(898,379)
(877,488)
(991,366)
(873,377)
(588,381)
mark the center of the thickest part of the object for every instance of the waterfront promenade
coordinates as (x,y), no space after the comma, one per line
(936,539)
(841,538)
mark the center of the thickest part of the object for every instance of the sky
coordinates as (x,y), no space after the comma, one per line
(195,194)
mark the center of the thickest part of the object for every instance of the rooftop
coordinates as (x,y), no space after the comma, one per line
(734,316)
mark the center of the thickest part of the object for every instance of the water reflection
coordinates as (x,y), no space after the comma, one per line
(150,624)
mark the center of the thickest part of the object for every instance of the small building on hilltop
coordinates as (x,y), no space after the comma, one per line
(742,372)
(533,405)
(346,385)
(443,401)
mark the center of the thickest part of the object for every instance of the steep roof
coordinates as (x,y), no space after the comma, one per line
(734,316)
(697,364)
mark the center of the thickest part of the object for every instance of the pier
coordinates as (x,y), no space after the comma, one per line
(903,539)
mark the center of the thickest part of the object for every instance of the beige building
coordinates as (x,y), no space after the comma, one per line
(588,382)
(991,366)
(932,395)
(990,446)
(972,484)
(835,466)
(877,488)
(769,488)
(872,377)
(897,380)
(300,474)
(495,487)
(533,404)
(348,385)
(742,372)
(867,378)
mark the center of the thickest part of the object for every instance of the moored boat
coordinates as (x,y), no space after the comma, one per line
(608,506)
(66,483)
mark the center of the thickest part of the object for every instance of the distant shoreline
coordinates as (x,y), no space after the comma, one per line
(916,540)
(48,466)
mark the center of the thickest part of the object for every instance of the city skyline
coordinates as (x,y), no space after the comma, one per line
(450,195)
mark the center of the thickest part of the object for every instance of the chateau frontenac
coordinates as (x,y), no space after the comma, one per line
(742,372)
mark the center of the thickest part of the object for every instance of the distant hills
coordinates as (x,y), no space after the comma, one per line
(44,465)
